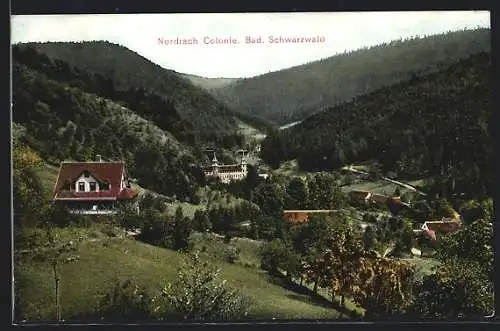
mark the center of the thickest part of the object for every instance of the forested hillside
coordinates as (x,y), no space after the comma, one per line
(435,125)
(60,120)
(293,94)
(131,73)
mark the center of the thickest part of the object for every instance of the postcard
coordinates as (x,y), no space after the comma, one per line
(252,167)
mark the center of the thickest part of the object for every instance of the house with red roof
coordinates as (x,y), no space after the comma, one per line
(302,216)
(431,228)
(93,188)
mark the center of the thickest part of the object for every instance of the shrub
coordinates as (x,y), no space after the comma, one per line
(125,301)
(232,254)
(198,294)
(273,255)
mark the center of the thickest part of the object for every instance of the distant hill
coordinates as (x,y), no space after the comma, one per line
(292,94)
(129,71)
(437,125)
(210,83)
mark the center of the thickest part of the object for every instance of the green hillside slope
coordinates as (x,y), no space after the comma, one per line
(129,71)
(435,125)
(115,258)
(63,122)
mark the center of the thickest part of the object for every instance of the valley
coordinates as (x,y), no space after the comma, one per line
(357,188)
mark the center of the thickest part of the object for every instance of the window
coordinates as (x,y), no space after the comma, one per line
(81,186)
(86,174)
(93,186)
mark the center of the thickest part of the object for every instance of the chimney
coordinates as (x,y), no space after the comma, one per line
(98,158)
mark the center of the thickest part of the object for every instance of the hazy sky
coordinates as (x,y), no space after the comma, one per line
(341,31)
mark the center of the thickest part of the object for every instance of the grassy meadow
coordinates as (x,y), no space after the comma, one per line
(104,259)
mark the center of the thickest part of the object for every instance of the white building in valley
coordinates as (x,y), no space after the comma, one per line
(226,173)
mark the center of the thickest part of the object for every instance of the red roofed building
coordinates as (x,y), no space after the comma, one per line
(302,216)
(431,228)
(93,187)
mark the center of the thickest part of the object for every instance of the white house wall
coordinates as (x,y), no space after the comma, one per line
(226,177)
(87,181)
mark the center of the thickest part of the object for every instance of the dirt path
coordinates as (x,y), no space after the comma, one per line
(407,186)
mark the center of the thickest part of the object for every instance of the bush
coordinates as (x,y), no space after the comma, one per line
(156,230)
(198,294)
(273,255)
(232,254)
(125,301)
(109,230)
(458,288)
(29,238)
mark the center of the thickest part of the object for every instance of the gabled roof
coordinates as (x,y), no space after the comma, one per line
(302,215)
(379,198)
(443,226)
(104,172)
(362,195)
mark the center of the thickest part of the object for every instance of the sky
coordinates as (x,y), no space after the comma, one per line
(337,32)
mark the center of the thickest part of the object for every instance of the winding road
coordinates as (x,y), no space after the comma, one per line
(407,186)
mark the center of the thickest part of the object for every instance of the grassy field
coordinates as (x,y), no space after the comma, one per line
(214,246)
(380,187)
(104,260)
(48,176)
(188,209)
(290,169)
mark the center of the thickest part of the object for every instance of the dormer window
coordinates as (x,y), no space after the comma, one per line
(86,174)
(81,186)
(93,186)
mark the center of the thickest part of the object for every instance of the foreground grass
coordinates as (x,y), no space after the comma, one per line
(102,262)
(249,257)
(215,247)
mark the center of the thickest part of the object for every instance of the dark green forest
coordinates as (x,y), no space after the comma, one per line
(430,126)
(128,72)
(61,121)
(292,94)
